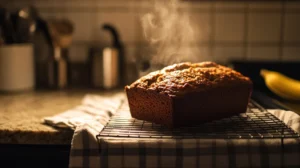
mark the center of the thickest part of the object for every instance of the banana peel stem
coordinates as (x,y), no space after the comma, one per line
(264,72)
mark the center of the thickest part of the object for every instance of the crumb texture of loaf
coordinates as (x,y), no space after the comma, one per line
(189,93)
(187,77)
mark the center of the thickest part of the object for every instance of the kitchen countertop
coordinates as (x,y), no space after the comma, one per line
(21,116)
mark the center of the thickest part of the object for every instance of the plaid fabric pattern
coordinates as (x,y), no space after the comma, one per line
(131,153)
(194,153)
(149,153)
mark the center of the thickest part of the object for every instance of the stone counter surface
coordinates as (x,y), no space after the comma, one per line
(21,116)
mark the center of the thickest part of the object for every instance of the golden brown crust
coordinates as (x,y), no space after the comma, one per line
(181,78)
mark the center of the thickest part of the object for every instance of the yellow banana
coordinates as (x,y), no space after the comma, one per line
(281,85)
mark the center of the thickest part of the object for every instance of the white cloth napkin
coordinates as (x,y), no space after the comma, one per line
(87,120)
(290,118)
(95,110)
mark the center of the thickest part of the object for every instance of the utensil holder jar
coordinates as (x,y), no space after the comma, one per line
(16,67)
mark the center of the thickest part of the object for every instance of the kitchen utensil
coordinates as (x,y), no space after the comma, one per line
(8,30)
(61,35)
(16,67)
(61,31)
(1,37)
(107,66)
(36,23)
(25,23)
(43,47)
(42,25)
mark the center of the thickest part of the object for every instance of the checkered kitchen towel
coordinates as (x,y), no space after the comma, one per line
(134,153)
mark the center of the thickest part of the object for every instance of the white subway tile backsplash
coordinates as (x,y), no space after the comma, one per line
(106,4)
(53,15)
(292,5)
(143,5)
(259,53)
(138,15)
(292,27)
(182,5)
(82,4)
(83,23)
(227,53)
(50,4)
(264,27)
(131,53)
(291,53)
(202,53)
(202,26)
(125,23)
(230,5)
(265,5)
(229,27)
(15,4)
(226,30)
(200,6)
(187,53)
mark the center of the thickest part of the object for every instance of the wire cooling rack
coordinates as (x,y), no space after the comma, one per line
(256,123)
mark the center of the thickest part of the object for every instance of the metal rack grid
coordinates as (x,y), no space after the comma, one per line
(256,123)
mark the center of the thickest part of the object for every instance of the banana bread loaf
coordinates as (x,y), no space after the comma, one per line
(187,94)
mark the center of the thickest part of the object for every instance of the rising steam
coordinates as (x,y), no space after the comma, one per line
(169,33)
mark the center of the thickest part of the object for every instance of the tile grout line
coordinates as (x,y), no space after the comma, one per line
(282,28)
(213,30)
(79,9)
(245,57)
(206,43)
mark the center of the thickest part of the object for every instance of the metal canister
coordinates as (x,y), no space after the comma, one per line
(107,63)
(105,68)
